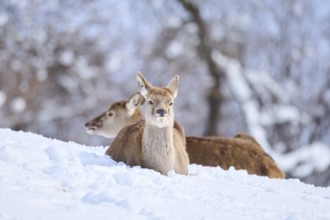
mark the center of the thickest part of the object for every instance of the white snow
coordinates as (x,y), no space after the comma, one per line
(3,19)
(243,95)
(307,159)
(263,82)
(18,104)
(300,162)
(174,49)
(3,98)
(66,57)
(41,178)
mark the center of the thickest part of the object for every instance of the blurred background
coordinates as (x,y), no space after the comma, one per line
(258,66)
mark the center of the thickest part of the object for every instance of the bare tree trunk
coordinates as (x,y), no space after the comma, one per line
(214,97)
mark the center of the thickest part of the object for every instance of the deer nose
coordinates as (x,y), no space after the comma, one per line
(161,112)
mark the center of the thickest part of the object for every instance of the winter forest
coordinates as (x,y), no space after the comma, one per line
(258,66)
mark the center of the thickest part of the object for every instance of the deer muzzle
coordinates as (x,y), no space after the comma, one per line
(161,112)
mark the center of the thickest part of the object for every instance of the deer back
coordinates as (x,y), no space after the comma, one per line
(241,152)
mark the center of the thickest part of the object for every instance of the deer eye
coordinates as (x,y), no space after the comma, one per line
(150,102)
(110,114)
(171,103)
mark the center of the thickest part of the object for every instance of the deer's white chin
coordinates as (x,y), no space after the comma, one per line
(107,135)
(90,131)
(161,122)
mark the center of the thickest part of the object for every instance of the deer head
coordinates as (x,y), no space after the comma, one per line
(159,109)
(119,115)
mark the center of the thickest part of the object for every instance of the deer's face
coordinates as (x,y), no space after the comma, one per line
(118,116)
(159,109)
(109,123)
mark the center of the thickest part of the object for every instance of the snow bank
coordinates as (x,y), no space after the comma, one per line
(41,178)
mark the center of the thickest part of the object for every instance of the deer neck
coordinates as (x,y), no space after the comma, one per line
(137,115)
(158,148)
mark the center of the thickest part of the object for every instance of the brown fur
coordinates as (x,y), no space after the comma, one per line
(241,152)
(125,151)
(120,114)
(131,154)
(153,143)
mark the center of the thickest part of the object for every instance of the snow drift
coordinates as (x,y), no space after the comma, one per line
(41,178)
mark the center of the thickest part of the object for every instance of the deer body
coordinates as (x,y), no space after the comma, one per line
(241,152)
(153,143)
(124,151)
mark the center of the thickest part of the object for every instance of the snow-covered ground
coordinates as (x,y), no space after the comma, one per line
(41,178)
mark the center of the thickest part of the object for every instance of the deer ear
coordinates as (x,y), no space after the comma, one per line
(173,86)
(143,85)
(135,101)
